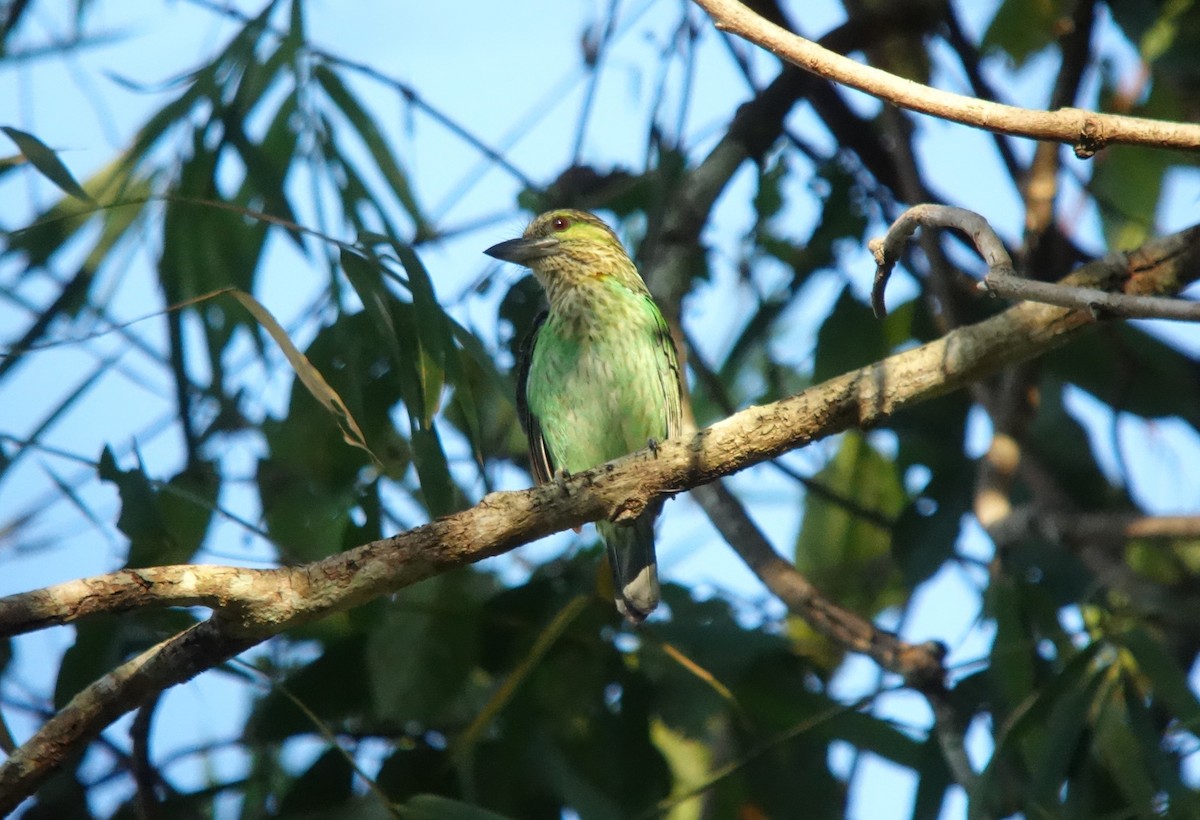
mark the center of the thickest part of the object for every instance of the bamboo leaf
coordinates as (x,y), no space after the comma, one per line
(46,161)
(433,333)
(308,375)
(364,124)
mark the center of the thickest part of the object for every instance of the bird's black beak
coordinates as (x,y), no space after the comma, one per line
(523,251)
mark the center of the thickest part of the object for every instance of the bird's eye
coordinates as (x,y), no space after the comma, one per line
(560,223)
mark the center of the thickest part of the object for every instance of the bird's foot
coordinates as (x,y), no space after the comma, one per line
(561,477)
(560,480)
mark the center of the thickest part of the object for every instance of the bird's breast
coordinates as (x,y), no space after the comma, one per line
(595,382)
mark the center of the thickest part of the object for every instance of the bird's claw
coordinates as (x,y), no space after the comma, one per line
(560,480)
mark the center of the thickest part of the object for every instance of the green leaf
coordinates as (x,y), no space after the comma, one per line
(1022,734)
(926,531)
(849,338)
(844,545)
(1012,653)
(1169,681)
(437,485)
(504,693)
(1060,442)
(311,480)
(188,502)
(1127,184)
(164,524)
(367,281)
(768,199)
(333,687)
(306,518)
(708,634)
(1122,756)
(421,652)
(1022,28)
(326,784)
(1161,754)
(433,332)
(842,216)
(308,375)
(96,651)
(46,161)
(1131,371)
(483,407)
(416,767)
(1067,733)
(378,147)
(1165,33)
(933,780)
(105,641)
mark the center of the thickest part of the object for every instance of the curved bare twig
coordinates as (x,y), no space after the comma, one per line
(1001,281)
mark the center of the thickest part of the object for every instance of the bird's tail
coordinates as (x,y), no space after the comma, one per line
(634,567)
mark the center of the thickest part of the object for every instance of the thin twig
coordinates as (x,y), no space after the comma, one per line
(1103,304)
(887,251)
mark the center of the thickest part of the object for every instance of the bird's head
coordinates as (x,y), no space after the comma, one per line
(560,236)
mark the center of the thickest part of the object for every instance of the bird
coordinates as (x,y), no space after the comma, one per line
(598,376)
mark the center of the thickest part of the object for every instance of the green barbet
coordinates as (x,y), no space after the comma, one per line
(598,377)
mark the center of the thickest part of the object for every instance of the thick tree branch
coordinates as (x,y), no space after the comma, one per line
(252,605)
(1087,131)
(173,661)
